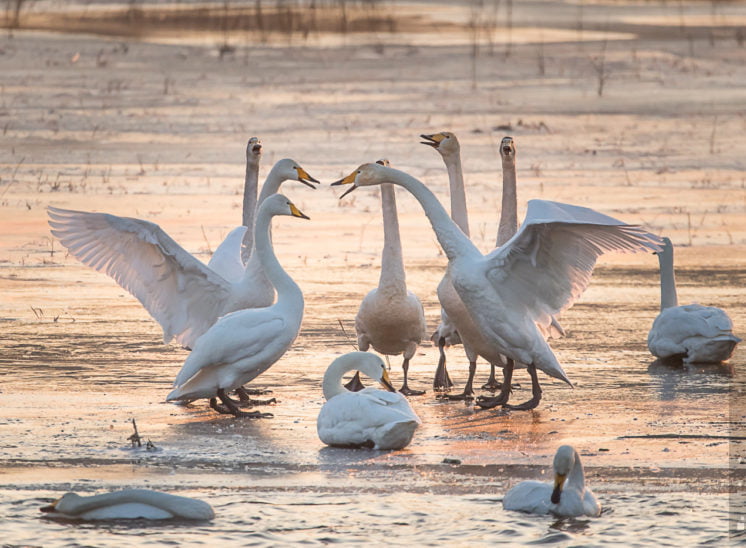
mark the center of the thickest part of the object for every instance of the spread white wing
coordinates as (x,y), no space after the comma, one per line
(183,295)
(226,260)
(548,263)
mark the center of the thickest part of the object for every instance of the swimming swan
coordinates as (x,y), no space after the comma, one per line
(243,344)
(513,292)
(567,497)
(230,257)
(129,504)
(391,318)
(692,333)
(181,293)
(371,417)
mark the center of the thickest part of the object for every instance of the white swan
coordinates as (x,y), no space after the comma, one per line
(243,344)
(513,292)
(129,504)
(567,497)
(371,417)
(181,293)
(692,333)
(230,258)
(391,318)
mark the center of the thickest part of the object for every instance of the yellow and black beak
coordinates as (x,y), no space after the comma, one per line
(297,212)
(507,146)
(433,140)
(350,179)
(386,381)
(305,178)
(50,508)
(559,480)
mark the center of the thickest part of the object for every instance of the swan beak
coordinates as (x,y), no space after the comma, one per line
(350,179)
(386,381)
(432,140)
(559,479)
(51,508)
(305,178)
(298,213)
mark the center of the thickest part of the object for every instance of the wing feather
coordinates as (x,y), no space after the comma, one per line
(183,295)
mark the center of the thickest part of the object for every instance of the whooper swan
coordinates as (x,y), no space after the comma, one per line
(370,417)
(513,292)
(244,344)
(567,497)
(128,504)
(692,333)
(391,318)
(181,293)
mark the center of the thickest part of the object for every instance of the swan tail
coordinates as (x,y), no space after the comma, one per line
(396,435)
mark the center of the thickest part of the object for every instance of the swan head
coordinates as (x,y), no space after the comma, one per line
(253,151)
(444,142)
(277,204)
(564,461)
(66,504)
(368,364)
(290,170)
(667,247)
(365,175)
(507,149)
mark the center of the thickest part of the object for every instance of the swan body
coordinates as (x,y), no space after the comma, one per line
(391,318)
(692,333)
(513,292)
(183,295)
(370,417)
(230,258)
(129,504)
(567,497)
(243,344)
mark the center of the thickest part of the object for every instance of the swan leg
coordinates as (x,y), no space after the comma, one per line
(405,387)
(230,408)
(244,397)
(488,402)
(492,385)
(355,385)
(535,389)
(468,393)
(442,381)
(243,393)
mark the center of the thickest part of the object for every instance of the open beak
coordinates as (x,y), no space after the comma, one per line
(298,213)
(559,479)
(257,148)
(350,179)
(432,140)
(305,178)
(386,381)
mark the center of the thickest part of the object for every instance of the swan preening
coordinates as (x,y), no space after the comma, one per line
(692,333)
(513,292)
(243,344)
(370,417)
(567,496)
(391,318)
(183,295)
(129,504)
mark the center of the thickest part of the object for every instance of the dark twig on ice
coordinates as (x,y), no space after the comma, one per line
(135,438)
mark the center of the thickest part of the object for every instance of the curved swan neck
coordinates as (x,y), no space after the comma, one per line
(271,183)
(392,264)
(453,241)
(668,279)
(250,187)
(287,289)
(459,211)
(509,211)
(332,382)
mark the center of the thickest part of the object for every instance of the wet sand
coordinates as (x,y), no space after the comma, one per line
(156,128)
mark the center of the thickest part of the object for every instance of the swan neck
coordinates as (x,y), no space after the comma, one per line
(459,212)
(509,209)
(287,290)
(576,477)
(668,279)
(392,264)
(332,381)
(250,187)
(450,237)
